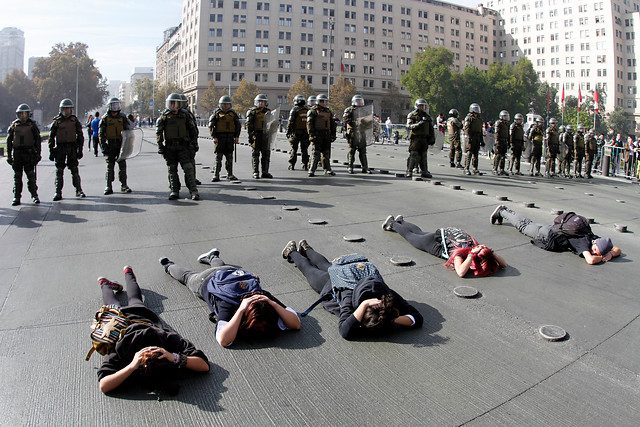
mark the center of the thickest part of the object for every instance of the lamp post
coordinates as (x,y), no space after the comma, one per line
(331,23)
(77,79)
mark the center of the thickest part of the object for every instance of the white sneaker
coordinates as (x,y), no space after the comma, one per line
(387,224)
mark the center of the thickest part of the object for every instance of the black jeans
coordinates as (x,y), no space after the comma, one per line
(133,292)
(314,267)
(413,234)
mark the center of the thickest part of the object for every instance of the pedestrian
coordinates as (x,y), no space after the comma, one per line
(146,352)
(23,153)
(297,133)
(259,140)
(112,125)
(352,288)
(473,130)
(454,127)
(389,126)
(356,134)
(89,132)
(176,137)
(421,136)
(569,232)
(65,147)
(502,143)
(516,140)
(225,128)
(239,306)
(95,135)
(462,252)
(322,132)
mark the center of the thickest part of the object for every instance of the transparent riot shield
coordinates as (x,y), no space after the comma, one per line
(363,124)
(562,151)
(528,148)
(437,146)
(489,142)
(463,142)
(271,122)
(131,143)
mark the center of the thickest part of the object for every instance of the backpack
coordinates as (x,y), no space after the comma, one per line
(348,270)
(108,326)
(571,225)
(229,285)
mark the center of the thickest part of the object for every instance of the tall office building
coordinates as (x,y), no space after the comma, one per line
(272,44)
(575,44)
(11,51)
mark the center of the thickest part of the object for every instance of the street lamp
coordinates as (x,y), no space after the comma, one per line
(331,23)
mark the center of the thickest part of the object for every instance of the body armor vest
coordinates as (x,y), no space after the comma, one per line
(502,130)
(579,141)
(553,138)
(258,121)
(115,126)
(301,119)
(517,132)
(323,119)
(568,139)
(591,143)
(422,130)
(452,130)
(225,123)
(23,136)
(176,127)
(475,124)
(66,130)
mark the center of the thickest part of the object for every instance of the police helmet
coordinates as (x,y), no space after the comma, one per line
(562,129)
(185,100)
(592,131)
(419,102)
(475,108)
(261,98)
(553,121)
(23,108)
(113,104)
(539,119)
(569,128)
(311,101)
(225,99)
(580,128)
(299,101)
(322,98)
(66,103)
(519,118)
(453,113)
(504,115)
(173,102)
(357,101)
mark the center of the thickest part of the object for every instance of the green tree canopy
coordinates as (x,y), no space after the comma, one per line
(393,103)
(16,89)
(244,96)
(300,87)
(55,79)
(341,93)
(620,122)
(430,77)
(209,100)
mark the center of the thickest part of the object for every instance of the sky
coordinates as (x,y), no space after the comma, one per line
(121,34)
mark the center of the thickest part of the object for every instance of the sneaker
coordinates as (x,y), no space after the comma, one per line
(174,195)
(388,223)
(198,182)
(113,285)
(36,200)
(256,175)
(329,172)
(467,172)
(495,216)
(303,246)
(205,258)
(80,193)
(195,196)
(125,189)
(399,218)
(494,172)
(286,252)
(165,263)
(108,191)
(459,166)
(128,270)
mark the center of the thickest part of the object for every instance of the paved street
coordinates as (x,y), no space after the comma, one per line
(475,361)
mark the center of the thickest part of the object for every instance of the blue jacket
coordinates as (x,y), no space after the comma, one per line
(95,126)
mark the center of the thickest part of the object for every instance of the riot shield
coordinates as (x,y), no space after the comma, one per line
(463,142)
(271,126)
(562,151)
(528,148)
(489,142)
(363,124)
(131,143)
(437,146)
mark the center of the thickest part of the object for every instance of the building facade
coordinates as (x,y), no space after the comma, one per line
(11,51)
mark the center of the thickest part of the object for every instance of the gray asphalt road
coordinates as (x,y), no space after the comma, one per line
(476,361)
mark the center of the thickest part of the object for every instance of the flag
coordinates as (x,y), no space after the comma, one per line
(341,65)
(562,97)
(596,101)
(579,98)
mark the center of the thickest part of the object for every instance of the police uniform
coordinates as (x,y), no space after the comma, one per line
(536,136)
(355,144)
(552,138)
(111,127)
(591,144)
(473,130)
(258,139)
(175,135)
(421,136)
(453,136)
(298,136)
(66,140)
(578,141)
(322,132)
(501,146)
(225,127)
(23,153)
(516,138)
(194,145)
(569,151)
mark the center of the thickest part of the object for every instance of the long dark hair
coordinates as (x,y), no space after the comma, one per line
(380,315)
(260,318)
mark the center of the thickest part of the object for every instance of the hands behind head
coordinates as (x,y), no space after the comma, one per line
(141,357)
(246,302)
(477,249)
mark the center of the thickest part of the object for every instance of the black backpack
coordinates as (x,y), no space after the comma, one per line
(571,225)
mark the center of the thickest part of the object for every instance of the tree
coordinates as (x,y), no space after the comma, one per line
(619,122)
(17,89)
(55,79)
(209,100)
(470,86)
(161,94)
(341,93)
(300,87)
(392,103)
(430,77)
(244,96)
(143,92)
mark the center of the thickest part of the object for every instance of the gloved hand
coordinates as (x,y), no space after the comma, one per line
(79,152)
(10,160)
(52,154)
(161,149)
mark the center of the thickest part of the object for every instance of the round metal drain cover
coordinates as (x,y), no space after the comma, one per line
(528,204)
(588,194)
(384,171)
(249,188)
(436,182)
(557,211)
(477,192)
(236,182)
(317,221)
(552,333)
(401,260)
(465,292)
(620,201)
(290,208)
(353,238)
(400,175)
(502,198)
(267,197)
(621,228)
(417,178)
(454,187)
(559,188)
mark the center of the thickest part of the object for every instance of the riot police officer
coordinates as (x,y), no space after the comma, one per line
(453,136)
(257,138)
(65,147)
(111,127)
(591,144)
(567,141)
(421,136)
(224,126)
(297,132)
(311,101)
(552,139)
(322,132)
(473,130)
(535,134)
(353,134)
(578,142)
(176,136)
(502,143)
(516,139)
(23,152)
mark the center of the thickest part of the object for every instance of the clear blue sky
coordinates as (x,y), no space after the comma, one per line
(121,34)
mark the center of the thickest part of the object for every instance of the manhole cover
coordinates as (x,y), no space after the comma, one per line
(552,333)
(353,238)
(465,292)
(401,260)
(317,221)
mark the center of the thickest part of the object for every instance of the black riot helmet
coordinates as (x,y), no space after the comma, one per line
(23,112)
